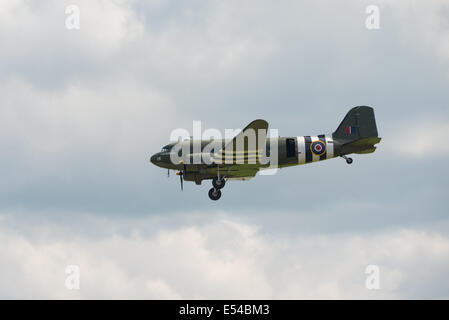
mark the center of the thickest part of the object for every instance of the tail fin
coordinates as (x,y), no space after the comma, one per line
(358,123)
(358,131)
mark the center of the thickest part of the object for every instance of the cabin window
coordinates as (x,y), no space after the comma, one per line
(290,144)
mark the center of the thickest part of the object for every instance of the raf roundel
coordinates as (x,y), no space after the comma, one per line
(318,148)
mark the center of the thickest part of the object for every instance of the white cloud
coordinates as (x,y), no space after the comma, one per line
(419,139)
(219,259)
(105,26)
(423,25)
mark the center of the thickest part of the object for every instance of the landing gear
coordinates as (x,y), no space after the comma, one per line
(348,160)
(218,182)
(214,194)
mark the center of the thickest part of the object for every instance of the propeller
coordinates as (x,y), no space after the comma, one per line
(181,175)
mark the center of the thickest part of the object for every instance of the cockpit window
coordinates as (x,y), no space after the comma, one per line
(166,148)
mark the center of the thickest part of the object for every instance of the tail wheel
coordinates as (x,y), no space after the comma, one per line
(348,160)
(218,183)
(214,194)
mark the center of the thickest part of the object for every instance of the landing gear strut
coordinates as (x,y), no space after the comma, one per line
(218,183)
(348,160)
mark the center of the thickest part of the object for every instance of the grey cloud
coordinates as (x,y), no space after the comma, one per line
(82,112)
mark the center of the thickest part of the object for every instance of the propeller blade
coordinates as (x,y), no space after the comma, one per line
(180,177)
(181,173)
(168,173)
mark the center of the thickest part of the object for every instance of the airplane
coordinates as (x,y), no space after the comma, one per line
(234,160)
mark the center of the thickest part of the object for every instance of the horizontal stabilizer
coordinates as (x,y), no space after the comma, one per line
(364,145)
(367,151)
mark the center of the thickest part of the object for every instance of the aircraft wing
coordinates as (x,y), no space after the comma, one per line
(241,172)
(241,148)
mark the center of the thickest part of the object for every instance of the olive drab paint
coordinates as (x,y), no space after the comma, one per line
(251,150)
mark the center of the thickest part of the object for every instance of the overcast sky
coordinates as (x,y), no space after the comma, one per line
(81,112)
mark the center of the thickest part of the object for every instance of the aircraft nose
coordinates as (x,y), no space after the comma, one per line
(153,159)
(159,160)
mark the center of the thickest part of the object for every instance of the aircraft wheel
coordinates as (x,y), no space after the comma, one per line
(218,184)
(214,194)
(349,160)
